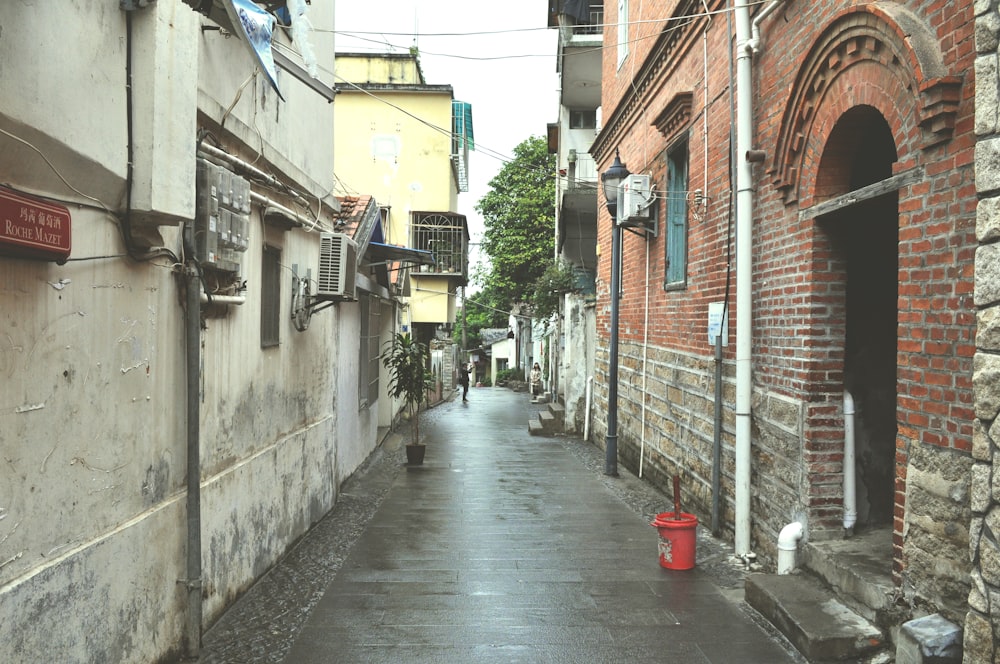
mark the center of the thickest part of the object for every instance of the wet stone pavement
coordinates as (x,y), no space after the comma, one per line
(502,547)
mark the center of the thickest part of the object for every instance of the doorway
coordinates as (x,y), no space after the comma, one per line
(864,237)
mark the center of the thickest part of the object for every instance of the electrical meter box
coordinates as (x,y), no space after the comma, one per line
(222,220)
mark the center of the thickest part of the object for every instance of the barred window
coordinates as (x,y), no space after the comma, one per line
(270,297)
(369,349)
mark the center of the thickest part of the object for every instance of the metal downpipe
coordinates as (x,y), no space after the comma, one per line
(717,442)
(193,411)
(611,441)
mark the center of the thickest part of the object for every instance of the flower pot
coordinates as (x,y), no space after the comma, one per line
(415,453)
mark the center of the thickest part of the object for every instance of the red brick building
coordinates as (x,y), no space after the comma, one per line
(863,207)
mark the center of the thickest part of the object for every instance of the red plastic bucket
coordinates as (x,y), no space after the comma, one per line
(677,539)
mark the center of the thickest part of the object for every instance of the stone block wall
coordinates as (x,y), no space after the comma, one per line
(666,415)
(982,623)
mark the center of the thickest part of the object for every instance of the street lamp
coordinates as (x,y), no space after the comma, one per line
(611,180)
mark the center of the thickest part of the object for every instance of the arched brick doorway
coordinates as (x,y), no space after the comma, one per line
(872,102)
(864,238)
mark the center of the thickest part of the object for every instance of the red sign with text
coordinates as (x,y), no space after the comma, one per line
(33,228)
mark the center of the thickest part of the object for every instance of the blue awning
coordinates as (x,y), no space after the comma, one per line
(381,251)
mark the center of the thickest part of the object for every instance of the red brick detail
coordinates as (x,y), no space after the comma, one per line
(901,60)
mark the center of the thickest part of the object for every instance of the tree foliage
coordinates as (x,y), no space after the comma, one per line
(519,217)
(555,281)
(483,309)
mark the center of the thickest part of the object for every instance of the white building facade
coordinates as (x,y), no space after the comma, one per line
(159,456)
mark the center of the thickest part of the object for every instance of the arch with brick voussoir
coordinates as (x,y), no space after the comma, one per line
(875,66)
(869,55)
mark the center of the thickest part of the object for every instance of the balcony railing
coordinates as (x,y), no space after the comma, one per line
(577,17)
(581,172)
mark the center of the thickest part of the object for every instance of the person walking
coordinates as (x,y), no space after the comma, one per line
(536,381)
(463,380)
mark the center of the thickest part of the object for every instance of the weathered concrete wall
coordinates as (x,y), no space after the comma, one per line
(92,412)
(91,430)
(578,349)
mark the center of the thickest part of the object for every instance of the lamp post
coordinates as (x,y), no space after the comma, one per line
(611,180)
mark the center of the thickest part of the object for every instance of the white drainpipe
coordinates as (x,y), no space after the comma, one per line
(850,481)
(754,43)
(788,540)
(744,301)
(586,409)
(747,45)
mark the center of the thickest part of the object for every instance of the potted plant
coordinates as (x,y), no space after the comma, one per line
(409,379)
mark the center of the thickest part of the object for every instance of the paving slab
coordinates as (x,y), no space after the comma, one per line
(504,547)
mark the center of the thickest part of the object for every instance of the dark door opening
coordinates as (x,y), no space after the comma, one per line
(865,240)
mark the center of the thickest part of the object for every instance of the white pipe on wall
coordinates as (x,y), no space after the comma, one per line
(788,540)
(586,409)
(744,274)
(754,43)
(747,45)
(850,479)
(222,299)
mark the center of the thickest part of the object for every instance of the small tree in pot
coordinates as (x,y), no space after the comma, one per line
(406,360)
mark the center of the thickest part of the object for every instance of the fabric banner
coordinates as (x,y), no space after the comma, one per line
(257,27)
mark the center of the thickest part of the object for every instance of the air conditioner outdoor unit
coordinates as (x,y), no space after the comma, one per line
(636,202)
(338,267)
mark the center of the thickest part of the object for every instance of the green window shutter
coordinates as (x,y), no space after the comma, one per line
(676,221)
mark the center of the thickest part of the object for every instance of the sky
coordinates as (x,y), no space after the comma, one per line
(499,58)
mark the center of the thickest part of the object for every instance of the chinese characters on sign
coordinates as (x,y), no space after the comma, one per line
(33,228)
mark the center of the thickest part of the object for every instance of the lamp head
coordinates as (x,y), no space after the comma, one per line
(611,179)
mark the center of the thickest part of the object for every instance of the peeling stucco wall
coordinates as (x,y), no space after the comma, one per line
(92,353)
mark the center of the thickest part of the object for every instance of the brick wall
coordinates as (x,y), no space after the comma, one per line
(910,64)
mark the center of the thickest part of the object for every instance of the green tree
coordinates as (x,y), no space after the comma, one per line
(556,281)
(519,217)
(483,309)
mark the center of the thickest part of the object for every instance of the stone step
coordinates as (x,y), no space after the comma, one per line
(809,614)
(535,427)
(859,570)
(549,422)
(558,411)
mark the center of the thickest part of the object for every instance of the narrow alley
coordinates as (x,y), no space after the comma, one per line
(501,547)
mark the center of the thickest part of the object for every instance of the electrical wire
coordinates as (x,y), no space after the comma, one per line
(751,4)
(56,171)
(683,21)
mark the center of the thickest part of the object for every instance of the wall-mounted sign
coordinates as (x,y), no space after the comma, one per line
(33,228)
(718,322)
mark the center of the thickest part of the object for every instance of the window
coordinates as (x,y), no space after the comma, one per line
(270,297)
(444,234)
(675,232)
(369,349)
(583,119)
(622,31)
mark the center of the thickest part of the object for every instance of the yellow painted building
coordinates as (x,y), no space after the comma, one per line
(406,143)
